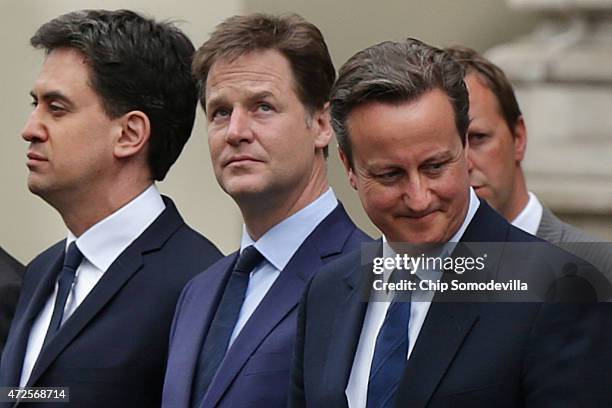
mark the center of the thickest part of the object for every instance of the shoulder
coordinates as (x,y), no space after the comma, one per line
(337,234)
(11,270)
(189,240)
(553,229)
(214,272)
(357,237)
(345,267)
(46,256)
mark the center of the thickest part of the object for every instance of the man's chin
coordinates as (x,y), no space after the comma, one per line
(244,191)
(419,237)
(483,192)
(35,185)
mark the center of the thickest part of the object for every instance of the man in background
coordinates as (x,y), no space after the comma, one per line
(114,105)
(11,274)
(497,144)
(265,84)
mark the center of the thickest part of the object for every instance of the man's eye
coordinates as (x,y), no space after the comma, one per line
(34,104)
(220,114)
(265,107)
(477,138)
(388,175)
(434,168)
(55,108)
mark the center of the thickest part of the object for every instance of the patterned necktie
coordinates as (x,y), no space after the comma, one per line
(72,260)
(223,323)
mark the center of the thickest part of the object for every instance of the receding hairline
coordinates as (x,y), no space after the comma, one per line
(486,83)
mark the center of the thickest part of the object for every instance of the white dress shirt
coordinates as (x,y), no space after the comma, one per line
(357,388)
(278,245)
(529,218)
(100,245)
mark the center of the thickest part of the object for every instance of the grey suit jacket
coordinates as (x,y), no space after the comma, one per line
(11,273)
(577,242)
(554,230)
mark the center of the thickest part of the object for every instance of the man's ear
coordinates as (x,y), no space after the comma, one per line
(352,178)
(520,140)
(135,133)
(324,132)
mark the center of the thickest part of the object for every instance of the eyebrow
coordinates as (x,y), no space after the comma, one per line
(53,96)
(442,156)
(220,100)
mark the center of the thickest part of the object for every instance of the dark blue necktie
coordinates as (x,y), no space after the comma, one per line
(390,354)
(72,260)
(223,323)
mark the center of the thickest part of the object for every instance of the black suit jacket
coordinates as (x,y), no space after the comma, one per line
(111,352)
(468,354)
(11,274)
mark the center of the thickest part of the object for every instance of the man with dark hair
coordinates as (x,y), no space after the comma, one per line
(11,275)
(114,105)
(497,144)
(265,84)
(400,112)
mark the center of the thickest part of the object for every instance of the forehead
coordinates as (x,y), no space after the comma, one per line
(483,101)
(65,70)
(257,71)
(406,130)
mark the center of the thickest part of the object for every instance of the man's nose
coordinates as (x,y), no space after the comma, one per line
(417,196)
(239,129)
(34,129)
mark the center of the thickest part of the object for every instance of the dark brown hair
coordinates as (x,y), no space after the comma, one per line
(393,72)
(135,63)
(494,78)
(295,38)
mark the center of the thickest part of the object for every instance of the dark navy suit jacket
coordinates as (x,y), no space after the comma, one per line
(468,354)
(11,274)
(255,372)
(111,352)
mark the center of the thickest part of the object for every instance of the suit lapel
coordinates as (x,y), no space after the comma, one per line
(549,228)
(447,323)
(348,323)
(188,341)
(446,326)
(117,275)
(486,226)
(284,295)
(48,279)
(15,350)
(112,281)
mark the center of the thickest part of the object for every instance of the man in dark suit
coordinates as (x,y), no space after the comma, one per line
(11,274)
(266,83)
(114,105)
(400,112)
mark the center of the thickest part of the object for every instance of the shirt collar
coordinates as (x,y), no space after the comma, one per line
(279,243)
(102,243)
(473,205)
(529,218)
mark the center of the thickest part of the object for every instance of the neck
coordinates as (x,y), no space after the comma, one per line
(519,198)
(93,205)
(264,211)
